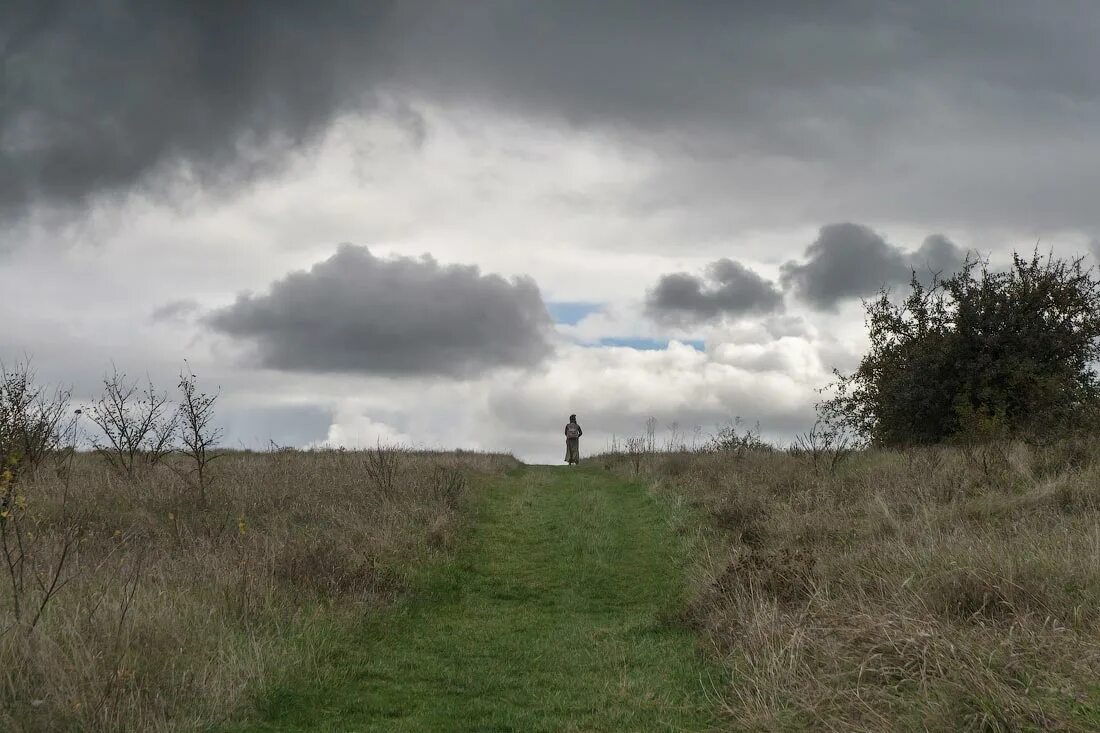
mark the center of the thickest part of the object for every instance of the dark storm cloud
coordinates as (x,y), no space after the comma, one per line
(762,101)
(355,312)
(852,261)
(796,109)
(674,62)
(729,288)
(96,94)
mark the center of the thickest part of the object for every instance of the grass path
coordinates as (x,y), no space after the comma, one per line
(550,619)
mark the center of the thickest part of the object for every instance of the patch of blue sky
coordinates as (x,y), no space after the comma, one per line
(644,344)
(567,313)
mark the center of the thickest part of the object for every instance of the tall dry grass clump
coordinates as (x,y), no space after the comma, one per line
(925,589)
(148,589)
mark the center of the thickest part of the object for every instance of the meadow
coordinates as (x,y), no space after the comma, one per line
(165,584)
(132,602)
(939,588)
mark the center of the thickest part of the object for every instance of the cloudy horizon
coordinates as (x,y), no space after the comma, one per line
(453,226)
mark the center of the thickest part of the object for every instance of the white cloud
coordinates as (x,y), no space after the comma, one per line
(353,430)
(615,390)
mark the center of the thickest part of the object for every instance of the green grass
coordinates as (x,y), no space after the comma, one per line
(551,618)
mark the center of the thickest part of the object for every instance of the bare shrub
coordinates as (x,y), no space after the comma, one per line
(736,438)
(33,418)
(636,449)
(136,425)
(383,467)
(824,446)
(198,434)
(38,561)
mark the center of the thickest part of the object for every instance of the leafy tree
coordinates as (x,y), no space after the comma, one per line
(1010,352)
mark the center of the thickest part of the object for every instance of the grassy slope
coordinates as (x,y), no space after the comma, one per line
(171,614)
(941,589)
(549,620)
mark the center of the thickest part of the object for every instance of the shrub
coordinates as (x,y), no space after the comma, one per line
(136,425)
(198,434)
(736,438)
(33,419)
(1008,352)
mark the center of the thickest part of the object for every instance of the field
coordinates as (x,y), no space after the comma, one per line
(135,604)
(928,589)
(743,589)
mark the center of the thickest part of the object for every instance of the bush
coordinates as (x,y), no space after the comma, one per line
(1008,353)
(736,438)
(33,419)
(136,425)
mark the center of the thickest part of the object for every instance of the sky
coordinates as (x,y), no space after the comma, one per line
(453,224)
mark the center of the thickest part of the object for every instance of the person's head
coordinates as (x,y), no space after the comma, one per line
(572,418)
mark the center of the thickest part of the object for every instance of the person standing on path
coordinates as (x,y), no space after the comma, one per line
(573,435)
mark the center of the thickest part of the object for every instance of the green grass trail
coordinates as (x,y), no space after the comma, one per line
(551,618)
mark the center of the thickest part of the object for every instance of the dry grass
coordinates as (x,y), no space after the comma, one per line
(171,613)
(935,589)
